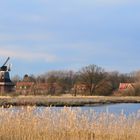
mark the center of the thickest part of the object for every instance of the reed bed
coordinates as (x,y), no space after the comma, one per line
(29,123)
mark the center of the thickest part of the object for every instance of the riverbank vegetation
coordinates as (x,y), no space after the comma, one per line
(6,101)
(88,81)
(67,124)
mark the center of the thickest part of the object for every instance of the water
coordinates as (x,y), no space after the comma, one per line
(125,108)
(117,109)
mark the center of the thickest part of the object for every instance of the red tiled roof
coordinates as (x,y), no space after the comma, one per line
(24,83)
(125,85)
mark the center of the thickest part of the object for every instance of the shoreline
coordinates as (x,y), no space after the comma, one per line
(60,101)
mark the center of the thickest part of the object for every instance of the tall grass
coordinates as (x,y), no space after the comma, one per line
(67,124)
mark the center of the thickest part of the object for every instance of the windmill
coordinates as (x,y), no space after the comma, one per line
(6,84)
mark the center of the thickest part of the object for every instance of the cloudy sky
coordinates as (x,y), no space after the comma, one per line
(44,35)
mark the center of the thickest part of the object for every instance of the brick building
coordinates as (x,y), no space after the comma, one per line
(26,88)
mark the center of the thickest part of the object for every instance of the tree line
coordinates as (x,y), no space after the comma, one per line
(95,79)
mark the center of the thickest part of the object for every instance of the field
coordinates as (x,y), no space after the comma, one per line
(67,124)
(64,100)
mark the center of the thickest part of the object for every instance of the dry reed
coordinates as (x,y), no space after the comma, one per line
(67,124)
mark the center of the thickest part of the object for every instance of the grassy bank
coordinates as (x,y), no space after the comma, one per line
(64,100)
(67,124)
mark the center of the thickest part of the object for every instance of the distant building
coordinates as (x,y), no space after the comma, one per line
(80,88)
(124,86)
(24,87)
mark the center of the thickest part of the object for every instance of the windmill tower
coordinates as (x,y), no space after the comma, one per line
(6,84)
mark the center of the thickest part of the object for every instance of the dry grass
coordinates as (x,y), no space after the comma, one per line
(67,124)
(64,100)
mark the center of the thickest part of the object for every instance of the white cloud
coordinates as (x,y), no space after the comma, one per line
(27,55)
(22,37)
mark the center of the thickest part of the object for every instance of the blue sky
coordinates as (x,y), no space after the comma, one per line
(44,35)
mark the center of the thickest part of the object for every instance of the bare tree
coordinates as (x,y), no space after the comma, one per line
(16,78)
(136,76)
(92,75)
(63,79)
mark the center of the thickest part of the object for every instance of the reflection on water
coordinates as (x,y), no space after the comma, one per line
(117,109)
(127,109)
